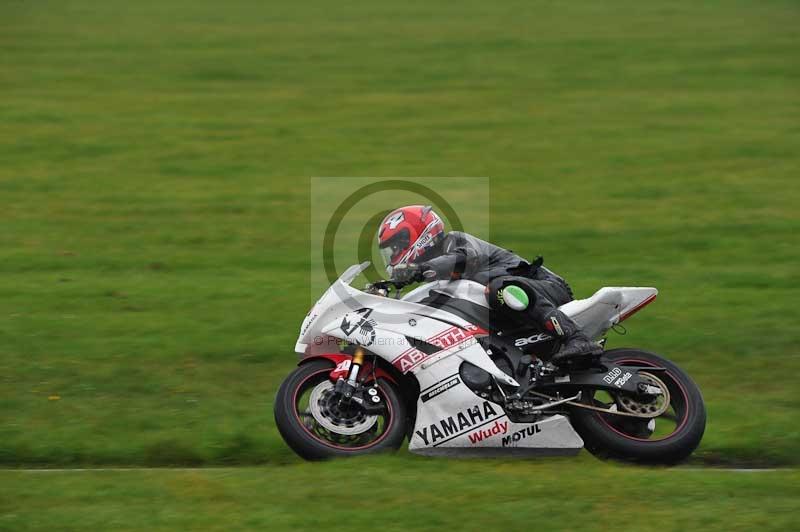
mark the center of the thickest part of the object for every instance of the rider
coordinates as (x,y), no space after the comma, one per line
(415,247)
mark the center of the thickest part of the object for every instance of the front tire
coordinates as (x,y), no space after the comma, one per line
(300,426)
(633,440)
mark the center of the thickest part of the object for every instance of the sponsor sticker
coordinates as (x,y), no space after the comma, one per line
(611,375)
(440,388)
(536,338)
(499,427)
(412,357)
(310,317)
(450,337)
(359,326)
(457,424)
(528,432)
(619,383)
(409,359)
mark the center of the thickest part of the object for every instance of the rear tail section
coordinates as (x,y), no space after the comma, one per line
(635,299)
(607,307)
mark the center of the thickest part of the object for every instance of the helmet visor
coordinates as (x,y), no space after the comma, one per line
(393,248)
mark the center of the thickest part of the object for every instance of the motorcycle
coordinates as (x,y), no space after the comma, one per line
(431,365)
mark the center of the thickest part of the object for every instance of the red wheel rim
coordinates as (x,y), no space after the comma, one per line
(685,407)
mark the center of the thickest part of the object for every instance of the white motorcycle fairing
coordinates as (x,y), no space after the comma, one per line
(451,418)
(595,315)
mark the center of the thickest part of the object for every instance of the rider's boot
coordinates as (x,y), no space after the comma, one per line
(577,348)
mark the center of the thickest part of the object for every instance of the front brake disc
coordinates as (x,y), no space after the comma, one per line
(316,402)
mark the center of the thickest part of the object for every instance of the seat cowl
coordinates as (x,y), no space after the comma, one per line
(607,307)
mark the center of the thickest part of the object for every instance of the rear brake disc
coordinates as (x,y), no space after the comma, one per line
(652,409)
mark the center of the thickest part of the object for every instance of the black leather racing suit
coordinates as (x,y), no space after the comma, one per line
(463,256)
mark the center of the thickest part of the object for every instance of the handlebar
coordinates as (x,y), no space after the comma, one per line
(385,285)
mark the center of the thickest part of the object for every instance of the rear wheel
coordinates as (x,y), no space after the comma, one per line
(672,433)
(317,425)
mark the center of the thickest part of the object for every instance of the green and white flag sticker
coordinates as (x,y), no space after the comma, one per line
(515,297)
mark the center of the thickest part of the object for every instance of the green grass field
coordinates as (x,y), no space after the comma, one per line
(390,494)
(154,220)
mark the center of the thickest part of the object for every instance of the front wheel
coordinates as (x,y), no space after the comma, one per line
(668,438)
(316,425)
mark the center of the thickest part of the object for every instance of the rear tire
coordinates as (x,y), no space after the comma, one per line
(605,438)
(308,443)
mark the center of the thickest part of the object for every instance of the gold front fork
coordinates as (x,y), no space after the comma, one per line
(358,356)
(358,361)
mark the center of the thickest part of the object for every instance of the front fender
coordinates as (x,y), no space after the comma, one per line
(342,364)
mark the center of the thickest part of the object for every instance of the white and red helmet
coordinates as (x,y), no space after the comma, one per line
(407,234)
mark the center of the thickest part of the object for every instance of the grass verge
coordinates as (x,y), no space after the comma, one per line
(394,493)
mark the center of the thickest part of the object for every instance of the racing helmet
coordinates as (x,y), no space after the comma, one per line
(407,234)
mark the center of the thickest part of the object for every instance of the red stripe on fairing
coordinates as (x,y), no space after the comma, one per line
(398,362)
(449,330)
(637,308)
(476,331)
(435,336)
(401,355)
(421,356)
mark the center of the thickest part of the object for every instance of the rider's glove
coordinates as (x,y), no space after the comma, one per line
(407,273)
(377,289)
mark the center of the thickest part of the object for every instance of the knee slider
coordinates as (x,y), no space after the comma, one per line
(514,297)
(504,292)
